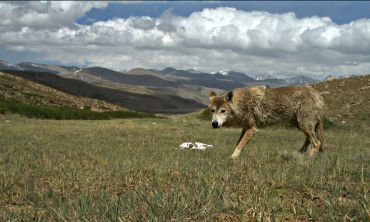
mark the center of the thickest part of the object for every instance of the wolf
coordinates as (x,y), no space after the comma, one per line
(257,106)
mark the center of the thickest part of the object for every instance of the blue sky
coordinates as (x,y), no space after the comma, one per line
(282,38)
(339,11)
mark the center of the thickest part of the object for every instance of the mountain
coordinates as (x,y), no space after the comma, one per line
(263,77)
(168,77)
(169,90)
(227,80)
(192,92)
(141,71)
(4,65)
(234,76)
(152,72)
(28,92)
(202,79)
(136,80)
(37,67)
(175,72)
(57,69)
(155,103)
(329,77)
(299,80)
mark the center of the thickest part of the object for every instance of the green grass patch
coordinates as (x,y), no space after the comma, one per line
(65,113)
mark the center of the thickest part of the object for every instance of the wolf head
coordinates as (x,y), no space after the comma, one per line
(220,107)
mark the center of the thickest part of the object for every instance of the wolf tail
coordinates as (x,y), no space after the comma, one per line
(319,131)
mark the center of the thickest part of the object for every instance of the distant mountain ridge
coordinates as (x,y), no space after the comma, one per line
(4,65)
(299,80)
(234,76)
(36,67)
(138,79)
(225,80)
(169,90)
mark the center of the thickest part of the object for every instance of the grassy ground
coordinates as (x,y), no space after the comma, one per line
(133,170)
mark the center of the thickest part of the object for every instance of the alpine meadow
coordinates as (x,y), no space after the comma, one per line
(130,167)
(133,170)
(185,111)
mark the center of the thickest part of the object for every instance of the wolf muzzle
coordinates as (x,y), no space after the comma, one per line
(215,124)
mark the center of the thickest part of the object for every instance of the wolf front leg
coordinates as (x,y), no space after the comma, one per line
(244,139)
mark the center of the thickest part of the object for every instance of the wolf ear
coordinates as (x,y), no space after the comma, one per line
(229,96)
(212,94)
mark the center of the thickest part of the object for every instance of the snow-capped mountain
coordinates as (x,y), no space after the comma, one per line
(4,65)
(224,72)
(169,77)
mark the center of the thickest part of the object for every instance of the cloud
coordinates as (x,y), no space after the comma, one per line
(144,23)
(44,14)
(253,42)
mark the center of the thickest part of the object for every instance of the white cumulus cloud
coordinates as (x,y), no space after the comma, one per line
(43,14)
(254,42)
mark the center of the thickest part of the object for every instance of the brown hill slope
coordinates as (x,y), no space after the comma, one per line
(28,92)
(347,99)
(156,103)
(192,92)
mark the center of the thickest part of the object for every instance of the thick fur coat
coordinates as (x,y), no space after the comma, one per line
(258,106)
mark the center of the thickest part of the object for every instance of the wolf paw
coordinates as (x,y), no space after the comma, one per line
(234,156)
(313,151)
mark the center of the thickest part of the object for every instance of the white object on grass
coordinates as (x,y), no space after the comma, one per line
(195,146)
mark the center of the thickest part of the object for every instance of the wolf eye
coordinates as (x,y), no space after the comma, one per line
(212,110)
(222,110)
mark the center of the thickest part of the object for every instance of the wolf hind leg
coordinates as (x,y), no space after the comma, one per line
(310,135)
(307,122)
(319,131)
(305,145)
(309,130)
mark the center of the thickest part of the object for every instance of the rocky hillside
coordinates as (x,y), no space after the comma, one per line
(27,92)
(347,99)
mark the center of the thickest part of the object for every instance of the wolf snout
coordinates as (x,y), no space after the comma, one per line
(215,124)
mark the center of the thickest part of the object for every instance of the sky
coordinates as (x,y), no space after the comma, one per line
(277,38)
